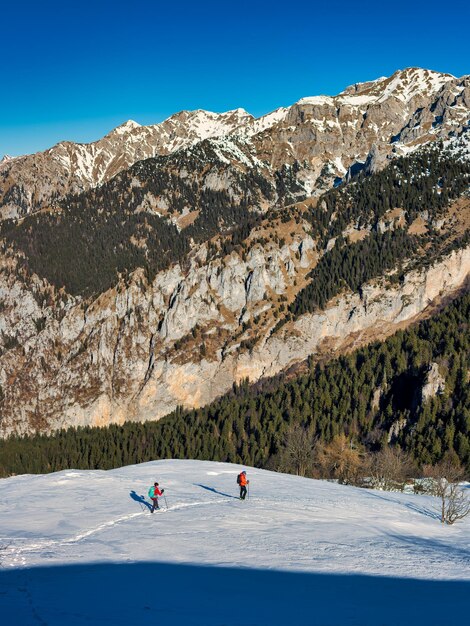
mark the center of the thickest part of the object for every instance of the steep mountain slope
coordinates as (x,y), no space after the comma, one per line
(348,549)
(249,303)
(410,391)
(227,259)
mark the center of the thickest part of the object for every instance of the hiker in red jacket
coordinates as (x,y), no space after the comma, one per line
(243,482)
(154,493)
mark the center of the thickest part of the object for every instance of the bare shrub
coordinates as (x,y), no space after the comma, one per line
(297,453)
(391,468)
(341,459)
(446,478)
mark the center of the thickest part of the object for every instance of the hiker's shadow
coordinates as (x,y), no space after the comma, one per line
(220,493)
(140,499)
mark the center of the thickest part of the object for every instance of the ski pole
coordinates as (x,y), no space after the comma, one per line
(166,503)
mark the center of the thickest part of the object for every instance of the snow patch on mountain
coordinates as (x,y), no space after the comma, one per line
(318,100)
(260,124)
(459,146)
(206,124)
(7,159)
(406,84)
(403,85)
(228,150)
(126,127)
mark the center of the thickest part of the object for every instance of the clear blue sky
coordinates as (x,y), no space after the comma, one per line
(74,70)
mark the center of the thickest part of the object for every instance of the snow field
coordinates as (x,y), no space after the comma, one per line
(295,539)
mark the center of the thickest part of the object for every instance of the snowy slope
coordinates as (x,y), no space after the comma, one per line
(91,535)
(402,85)
(460,146)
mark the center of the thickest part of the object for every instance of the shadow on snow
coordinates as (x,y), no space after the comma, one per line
(427,512)
(220,493)
(431,547)
(188,595)
(140,499)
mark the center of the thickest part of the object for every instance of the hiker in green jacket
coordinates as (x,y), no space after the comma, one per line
(154,493)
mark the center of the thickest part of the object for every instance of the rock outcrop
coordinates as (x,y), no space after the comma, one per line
(434,383)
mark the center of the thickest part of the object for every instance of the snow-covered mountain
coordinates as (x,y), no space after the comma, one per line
(82,547)
(411,107)
(404,85)
(330,134)
(33,181)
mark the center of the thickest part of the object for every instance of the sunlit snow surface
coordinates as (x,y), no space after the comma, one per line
(83,548)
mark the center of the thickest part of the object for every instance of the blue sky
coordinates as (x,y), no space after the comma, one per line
(75,70)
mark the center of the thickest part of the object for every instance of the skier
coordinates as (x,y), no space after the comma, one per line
(154,493)
(243,482)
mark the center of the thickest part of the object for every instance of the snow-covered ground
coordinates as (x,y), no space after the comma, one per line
(81,547)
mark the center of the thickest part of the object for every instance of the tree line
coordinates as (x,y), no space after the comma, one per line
(371,396)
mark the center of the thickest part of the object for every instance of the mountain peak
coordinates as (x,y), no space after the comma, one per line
(127,127)
(6,158)
(402,85)
(414,80)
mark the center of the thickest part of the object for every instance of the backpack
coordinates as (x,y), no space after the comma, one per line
(151,492)
(238,479)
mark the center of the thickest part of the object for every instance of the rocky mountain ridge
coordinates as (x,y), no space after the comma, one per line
(32,182)
(326,135)
(233,256)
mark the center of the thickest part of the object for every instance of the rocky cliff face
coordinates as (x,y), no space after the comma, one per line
(434,383)
(139,351)
(207,246)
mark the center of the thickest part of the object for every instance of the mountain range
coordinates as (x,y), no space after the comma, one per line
(396,113)
(160,265)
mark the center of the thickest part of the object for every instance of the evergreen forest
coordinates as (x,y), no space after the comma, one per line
(364,396)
